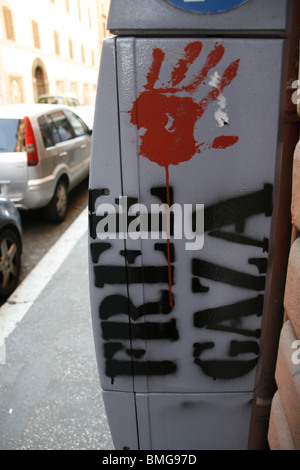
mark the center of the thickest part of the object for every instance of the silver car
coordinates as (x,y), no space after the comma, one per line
(44,153)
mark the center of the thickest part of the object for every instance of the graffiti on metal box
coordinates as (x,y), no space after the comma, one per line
(160,321)
(166,114)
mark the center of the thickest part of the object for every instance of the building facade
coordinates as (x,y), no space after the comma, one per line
(50,47)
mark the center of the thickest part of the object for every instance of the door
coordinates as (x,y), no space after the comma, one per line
(71,142)
(81,151)
(39,79)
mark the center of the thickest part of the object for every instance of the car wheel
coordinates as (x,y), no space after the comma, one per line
(57,209)
(10,262)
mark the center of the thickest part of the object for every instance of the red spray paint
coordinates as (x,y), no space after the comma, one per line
(169,117)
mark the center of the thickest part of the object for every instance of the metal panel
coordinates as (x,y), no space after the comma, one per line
(105,187)
(208,340)
(160,17)
(193,422)
(120,411)
(193,122)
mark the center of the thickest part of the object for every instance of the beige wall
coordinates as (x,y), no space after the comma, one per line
(61,72)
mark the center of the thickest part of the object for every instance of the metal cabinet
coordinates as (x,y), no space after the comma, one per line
(187,136)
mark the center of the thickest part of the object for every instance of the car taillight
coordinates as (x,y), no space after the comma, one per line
(30,144)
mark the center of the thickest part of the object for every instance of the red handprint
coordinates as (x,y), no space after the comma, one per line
(169,117)
(169,114)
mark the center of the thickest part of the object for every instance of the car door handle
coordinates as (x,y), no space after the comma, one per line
(63,154)
(83,146)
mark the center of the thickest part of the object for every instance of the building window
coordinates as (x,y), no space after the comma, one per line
(74,88)
(36,34)
(90,19)
(82,54)
(86,93)
(71,49)
(59,87)
(79,10)
(15,90)
(104,29)
(56,43)
(9,25)
(68,6)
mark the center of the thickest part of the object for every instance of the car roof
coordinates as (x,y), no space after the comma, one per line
(68,95)
(18,111)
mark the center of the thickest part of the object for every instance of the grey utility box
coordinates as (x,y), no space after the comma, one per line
(187,136)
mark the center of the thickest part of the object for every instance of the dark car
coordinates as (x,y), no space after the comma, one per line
(10,247)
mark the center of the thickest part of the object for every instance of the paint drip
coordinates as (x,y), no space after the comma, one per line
(168,115)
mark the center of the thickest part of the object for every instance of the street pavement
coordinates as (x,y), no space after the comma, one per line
(50,397)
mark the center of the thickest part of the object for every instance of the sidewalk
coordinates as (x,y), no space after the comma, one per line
(50,396)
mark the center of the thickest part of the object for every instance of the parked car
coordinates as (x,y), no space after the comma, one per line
(68,100)
(10,247)
(44,153)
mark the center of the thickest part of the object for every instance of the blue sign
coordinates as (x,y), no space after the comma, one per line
(207,6)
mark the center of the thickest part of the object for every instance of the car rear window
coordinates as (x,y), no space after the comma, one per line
(12,135)
(46,132)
